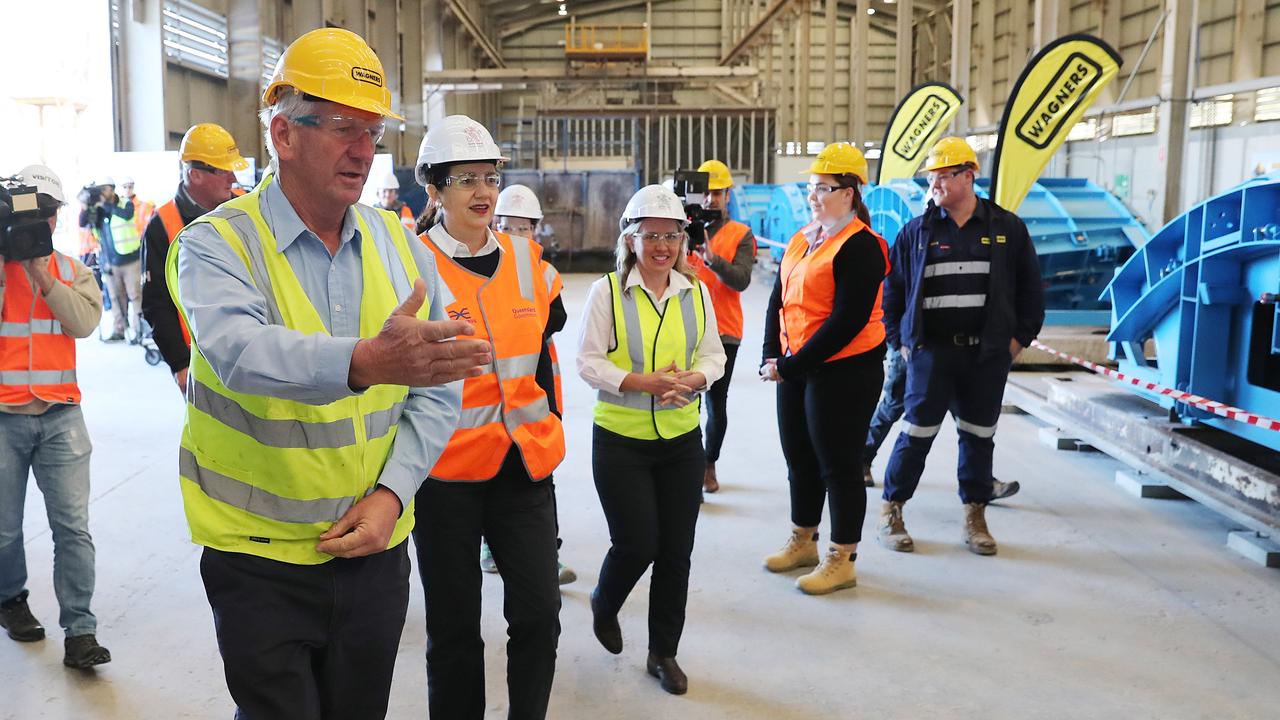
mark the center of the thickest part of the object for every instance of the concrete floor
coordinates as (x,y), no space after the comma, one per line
(1099,605)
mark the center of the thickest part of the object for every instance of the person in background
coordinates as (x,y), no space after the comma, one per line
(142,209)
(649,345)
(45,304)
(389,200)
(111,219)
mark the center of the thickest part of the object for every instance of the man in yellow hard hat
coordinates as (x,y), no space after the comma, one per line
(319,397)
(963,298)
(724,264)
(209,159)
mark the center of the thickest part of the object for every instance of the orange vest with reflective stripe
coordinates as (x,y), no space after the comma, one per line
(505,404)
(142,212)
(37,359)
(809,290)
(406,217)
(171,219)
(726,301)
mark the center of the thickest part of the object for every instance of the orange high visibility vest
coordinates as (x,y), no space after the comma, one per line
(142,212)
(505,404)
(171,219)
(809,290)
(37,359)
(407,219)
(726,301)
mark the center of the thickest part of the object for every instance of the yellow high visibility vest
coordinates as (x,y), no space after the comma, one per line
(266,476)
(646,339)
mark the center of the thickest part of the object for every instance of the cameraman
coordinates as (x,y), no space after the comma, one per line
(724,264)
(47,302)
(111,219)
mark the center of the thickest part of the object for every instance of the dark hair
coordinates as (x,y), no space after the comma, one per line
(849,180)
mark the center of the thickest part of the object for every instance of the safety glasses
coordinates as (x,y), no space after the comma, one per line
(471,181)
(653,238)
(344,127)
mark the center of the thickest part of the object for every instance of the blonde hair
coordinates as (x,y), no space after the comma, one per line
(625,257)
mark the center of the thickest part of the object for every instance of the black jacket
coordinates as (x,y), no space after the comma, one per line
(157,305)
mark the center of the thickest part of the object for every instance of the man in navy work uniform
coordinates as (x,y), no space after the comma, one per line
(964,297)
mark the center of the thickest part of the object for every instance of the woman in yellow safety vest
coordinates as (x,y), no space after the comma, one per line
(649,345)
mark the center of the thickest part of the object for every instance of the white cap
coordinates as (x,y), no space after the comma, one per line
(45,181)
(653,201)
(457,138)
(518,201)
(104,180)
(389,182)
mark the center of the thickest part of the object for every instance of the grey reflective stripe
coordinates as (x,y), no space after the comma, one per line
(37,377)
(631,320)
(690,324)
(272,433)
(533,412)
(973,267)
(475,417)
(555,368)
(954,301)
(253,499)
(524,266)
(380,422)
(920,431)
(517,366)
(982,431)
(66,270)
(35,327)
(240,224)
(549,274)
(633,400)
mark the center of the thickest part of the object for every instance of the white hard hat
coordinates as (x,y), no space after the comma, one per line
(104,180)
(126,180)
(45,181)
(670,184)
(389,182)
(457,138)
(653,201)
(518,201)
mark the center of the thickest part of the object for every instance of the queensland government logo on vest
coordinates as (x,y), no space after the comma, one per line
(521,313)
(908,145)
(1070,86)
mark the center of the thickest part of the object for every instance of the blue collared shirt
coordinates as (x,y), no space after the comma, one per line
(229,318)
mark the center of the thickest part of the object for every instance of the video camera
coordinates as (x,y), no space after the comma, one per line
(691,187)
(24,224)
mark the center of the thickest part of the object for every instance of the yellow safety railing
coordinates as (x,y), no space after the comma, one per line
(605,42)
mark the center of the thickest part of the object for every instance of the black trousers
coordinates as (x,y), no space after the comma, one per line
(308,642)
(650,491)
(717,406)
(517,517)
(822,421)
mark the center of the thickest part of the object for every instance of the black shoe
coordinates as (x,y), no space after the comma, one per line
(83,652)
(867,479)
(16,617)
(1002,490)
(669,674)
(605,625)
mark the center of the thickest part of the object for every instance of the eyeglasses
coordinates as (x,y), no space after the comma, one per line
(216,172)
(936,176)
(346,128)
(653,238)
(821,189)
(471,181)
(523,229)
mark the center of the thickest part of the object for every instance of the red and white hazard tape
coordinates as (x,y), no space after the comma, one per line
(1213,406)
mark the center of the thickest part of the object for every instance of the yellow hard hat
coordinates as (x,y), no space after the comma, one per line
(720,177)
(950,152)
(840,158)
(212,145)
(335,65)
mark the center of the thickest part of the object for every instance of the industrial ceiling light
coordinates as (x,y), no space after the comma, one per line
(871,11)
(563,11)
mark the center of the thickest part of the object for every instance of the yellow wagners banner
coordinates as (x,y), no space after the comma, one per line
(1050,97)
(916,124)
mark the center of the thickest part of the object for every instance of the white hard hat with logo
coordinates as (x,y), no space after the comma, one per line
(653,201)
(518,201)
(45,181)
(456,139)
(389,182)
(105,180)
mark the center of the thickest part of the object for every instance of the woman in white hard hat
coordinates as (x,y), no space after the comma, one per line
(824,346)
(389,200)
(493,476)
(649,345)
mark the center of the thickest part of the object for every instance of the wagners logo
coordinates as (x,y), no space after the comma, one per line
(1070,86)
(365,75)
(922,124)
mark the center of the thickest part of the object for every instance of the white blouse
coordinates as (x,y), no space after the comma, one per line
(597,333)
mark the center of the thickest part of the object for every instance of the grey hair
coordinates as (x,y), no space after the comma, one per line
(291,105)
(625,257)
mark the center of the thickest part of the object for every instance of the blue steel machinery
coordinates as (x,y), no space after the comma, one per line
(1204,289)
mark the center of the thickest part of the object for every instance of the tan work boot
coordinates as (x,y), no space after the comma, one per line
(891,531)
(709,482)
(976,535)
(800,550)
(835,572)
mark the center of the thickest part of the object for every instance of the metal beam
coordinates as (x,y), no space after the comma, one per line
(503,76)
(860,26)
(903,79)
(588,10)
(771,13)
(476,32)
(1175,90)
(961,49)
(829,71)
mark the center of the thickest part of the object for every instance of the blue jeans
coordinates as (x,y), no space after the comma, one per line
(53,446)
(890,407)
